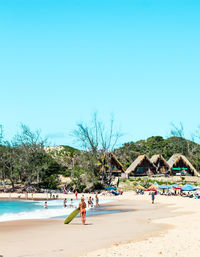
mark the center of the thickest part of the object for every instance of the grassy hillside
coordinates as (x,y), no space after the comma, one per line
(70,149)
(126,154)
(158,145)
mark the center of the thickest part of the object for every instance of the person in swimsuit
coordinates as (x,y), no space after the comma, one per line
(65,202)
(90,203)
(71,203)
(82,208)
(97,200)
(45,205)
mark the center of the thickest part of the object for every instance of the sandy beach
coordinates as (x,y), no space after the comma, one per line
(181,239)
(167,228)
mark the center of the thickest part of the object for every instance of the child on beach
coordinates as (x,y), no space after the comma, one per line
(82,208)
(76,195)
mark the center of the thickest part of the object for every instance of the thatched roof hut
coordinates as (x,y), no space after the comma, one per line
(142,166)
(117,167)
(180,161)
(161,164)
(139,187)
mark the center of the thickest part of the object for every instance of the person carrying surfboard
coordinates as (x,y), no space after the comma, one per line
(82,208)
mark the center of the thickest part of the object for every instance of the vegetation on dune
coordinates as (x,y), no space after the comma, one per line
(158,145)
(26,161)
(146,182)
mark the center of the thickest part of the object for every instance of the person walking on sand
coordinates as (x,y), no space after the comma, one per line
(82,208)
(153,197)
(90,203)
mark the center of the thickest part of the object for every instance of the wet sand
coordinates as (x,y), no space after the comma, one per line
(53,238)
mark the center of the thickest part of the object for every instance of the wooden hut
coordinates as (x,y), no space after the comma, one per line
(142,166)
(161,164)
(180,162)
(117,167)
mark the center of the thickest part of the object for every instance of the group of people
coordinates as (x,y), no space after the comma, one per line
(71,204)
(82,205)
(182,194)
(139,191)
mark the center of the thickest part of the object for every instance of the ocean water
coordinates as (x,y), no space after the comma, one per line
(21,210)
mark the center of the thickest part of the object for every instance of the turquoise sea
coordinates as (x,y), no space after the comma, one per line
(20,210)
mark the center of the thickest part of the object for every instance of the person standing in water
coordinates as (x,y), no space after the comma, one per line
(97,200)
(65,202)
(71,203)
(90,203)
(45,205)
(82,208)
(76,195)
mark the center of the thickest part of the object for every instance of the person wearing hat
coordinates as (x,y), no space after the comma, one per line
(82,208)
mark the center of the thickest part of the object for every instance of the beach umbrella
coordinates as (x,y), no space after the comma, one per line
(114,192)
(110,187)
(164,187)
(179,187)
(139,187)
(175,185)
(151,189)
(188,188)
(154,186)
(155,183)
(189,185)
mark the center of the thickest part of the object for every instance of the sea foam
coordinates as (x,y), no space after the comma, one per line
(55,209)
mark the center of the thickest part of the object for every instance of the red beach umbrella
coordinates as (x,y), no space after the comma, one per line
(151,189)
(179,187)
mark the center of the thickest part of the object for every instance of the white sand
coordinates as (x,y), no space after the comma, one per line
(183,240)
(169,228)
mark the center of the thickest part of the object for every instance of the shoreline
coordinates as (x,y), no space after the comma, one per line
(17,237)
(44,196)
(55,209)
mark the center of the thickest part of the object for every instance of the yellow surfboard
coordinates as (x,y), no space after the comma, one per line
(71,216)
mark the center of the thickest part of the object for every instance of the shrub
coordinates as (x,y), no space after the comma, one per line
(81,187)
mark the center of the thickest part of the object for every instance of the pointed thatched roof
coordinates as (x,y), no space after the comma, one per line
(116,162)
(139,187)
(155,158)
(179,157)
(137,162)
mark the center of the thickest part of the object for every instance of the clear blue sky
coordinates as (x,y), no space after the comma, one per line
(62,60)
